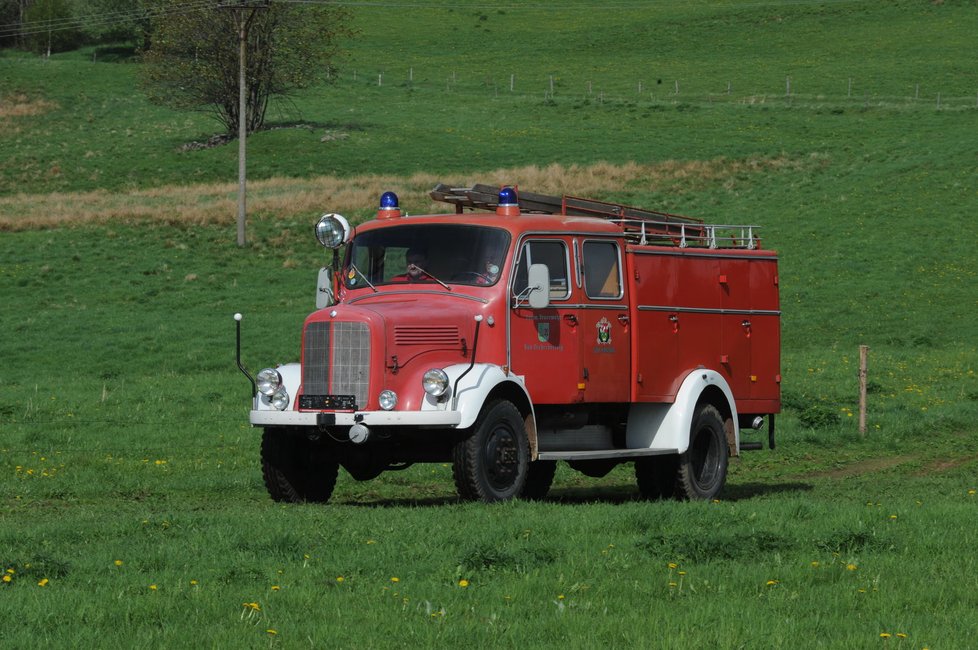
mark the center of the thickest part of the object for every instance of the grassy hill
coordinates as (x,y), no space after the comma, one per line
(845,129)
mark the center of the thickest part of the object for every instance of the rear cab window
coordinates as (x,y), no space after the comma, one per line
(602,270)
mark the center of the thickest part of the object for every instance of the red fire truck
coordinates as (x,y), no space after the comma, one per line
(519,331)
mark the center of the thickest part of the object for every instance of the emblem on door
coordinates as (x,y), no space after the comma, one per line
(604,331)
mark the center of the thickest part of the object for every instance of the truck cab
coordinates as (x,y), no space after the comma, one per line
(522,330)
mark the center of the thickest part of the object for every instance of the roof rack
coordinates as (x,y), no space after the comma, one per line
(639,225)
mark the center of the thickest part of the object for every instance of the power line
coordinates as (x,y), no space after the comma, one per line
(100,20)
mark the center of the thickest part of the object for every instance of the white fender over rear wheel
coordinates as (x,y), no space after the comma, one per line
(492,463)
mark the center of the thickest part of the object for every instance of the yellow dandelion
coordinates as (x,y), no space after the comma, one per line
(893,516)
(673,584)
(43,582)
(885,635)
(972,492)
(11,571)
(395,579)
(7,578)
(118,562)
(851,567)
(193,583)
(902,635)
(771,583)
(153,587)
(815,564)
(340,578)
(463,583)
(673,565)
(271,631)
(682,573)
(275,587)
(255,607)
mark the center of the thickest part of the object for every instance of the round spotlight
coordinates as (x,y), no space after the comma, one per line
(333,230)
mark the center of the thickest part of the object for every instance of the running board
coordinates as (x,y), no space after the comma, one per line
(598,454)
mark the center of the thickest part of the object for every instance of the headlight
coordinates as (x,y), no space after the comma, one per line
(435,382)
(388,400)
(269,381)
(280,399)
(333,230)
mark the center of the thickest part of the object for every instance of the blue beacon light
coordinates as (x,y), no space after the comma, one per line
(389,206)
(509,204)
(388,200)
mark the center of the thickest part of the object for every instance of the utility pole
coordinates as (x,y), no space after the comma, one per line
(244,13)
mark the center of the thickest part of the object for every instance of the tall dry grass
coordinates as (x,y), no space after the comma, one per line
(289,197)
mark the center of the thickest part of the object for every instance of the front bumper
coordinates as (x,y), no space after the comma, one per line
(427,419)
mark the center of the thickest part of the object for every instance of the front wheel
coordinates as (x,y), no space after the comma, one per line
(295,469)
(492,463)
(703,467)
(539,478)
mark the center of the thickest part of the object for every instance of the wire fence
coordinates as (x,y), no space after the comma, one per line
(847,91)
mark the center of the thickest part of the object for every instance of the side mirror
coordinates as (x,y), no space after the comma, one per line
(324,288)
(539,286)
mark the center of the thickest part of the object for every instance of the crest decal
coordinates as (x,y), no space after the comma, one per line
(543,331)
(604,331)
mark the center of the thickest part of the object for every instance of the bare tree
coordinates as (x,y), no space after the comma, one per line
(192,61)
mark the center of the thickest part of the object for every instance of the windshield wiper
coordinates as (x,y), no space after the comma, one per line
(360,273)
(432,277)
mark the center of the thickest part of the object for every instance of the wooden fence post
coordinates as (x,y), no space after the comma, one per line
(863,371)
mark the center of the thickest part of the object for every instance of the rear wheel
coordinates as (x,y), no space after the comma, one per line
(703,467)
(295,469)
(492,463)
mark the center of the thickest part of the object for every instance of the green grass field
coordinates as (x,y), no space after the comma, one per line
(131,505)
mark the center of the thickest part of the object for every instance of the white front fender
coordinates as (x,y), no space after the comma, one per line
(666,426)
(474,389)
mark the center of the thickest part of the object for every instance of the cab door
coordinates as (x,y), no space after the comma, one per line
(543,343)
(605,339)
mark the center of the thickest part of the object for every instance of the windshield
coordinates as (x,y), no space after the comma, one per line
(429,253)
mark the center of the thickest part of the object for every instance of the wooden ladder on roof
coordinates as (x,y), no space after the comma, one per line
(639,225)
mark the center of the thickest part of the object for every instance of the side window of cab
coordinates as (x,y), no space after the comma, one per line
(551,252)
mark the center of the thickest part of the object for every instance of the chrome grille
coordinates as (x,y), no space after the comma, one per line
(336,360)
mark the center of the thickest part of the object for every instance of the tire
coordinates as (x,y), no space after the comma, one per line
(703,467)
(539,478)
(295,470)
(492,463)
(656,476)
